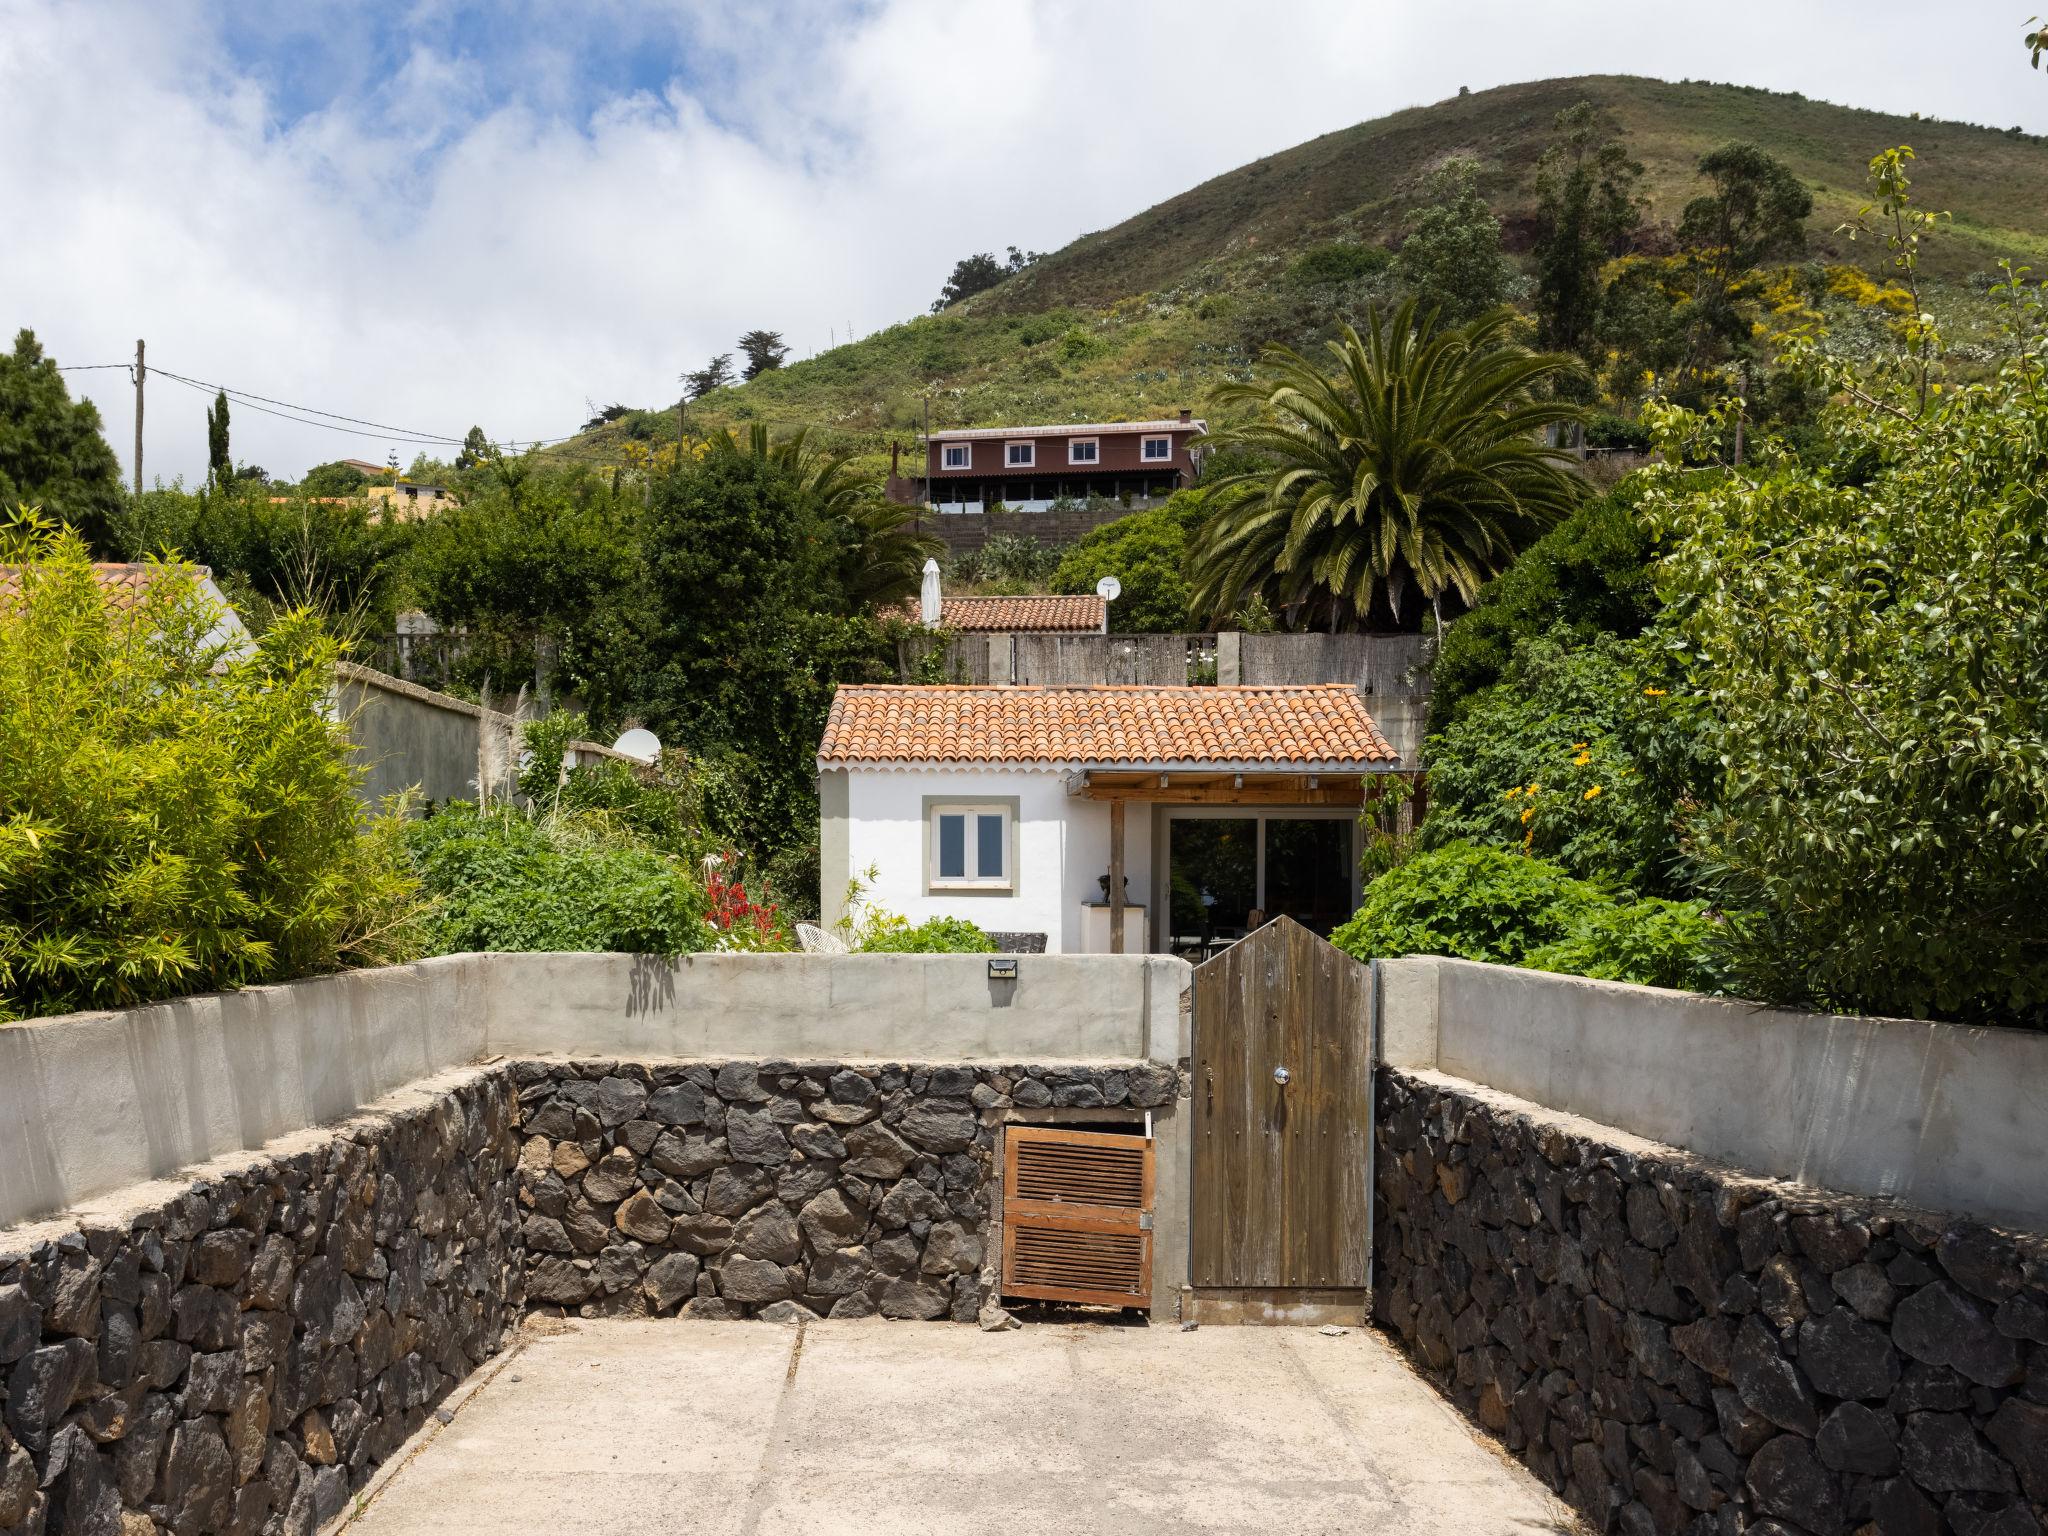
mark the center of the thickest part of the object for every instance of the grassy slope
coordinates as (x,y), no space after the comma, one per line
(1151,315)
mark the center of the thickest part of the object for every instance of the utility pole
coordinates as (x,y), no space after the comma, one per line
(682,415)
(139,372)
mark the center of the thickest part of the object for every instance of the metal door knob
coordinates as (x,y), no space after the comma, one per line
(1281,1075)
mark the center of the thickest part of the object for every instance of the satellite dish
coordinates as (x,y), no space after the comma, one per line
(1109,589)
(640,744)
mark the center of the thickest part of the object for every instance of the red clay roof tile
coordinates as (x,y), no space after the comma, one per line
(1317,725)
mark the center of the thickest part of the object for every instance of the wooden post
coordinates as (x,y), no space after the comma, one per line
(1116,877)
(140,373)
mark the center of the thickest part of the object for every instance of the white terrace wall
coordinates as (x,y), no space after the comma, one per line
(1935,1115)
(91,1103)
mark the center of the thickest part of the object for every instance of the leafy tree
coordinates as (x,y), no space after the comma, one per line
(475,449)
(52,452)
(1863,632)
(1147,554)
(1452,253)
(1756,212)
(1415,465)
(716,374)
(880,555)
(764,350)
(220,467)
(979,273)
(1587,577)
(1586,209)
(534,565)
(749,637)
(173,818)
(336,479)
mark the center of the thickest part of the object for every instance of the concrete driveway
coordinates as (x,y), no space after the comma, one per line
(910,1428)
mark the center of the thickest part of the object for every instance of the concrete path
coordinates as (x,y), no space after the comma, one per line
(915,1428)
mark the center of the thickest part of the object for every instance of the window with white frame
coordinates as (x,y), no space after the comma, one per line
(956,455)
(1020,455)
(1084,450)
(1156,450)
(970,848)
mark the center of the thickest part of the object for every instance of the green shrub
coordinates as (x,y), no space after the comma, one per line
(1147,553)
(173,818)
(1338,262)
(1653,942)
(1580,753)
(934,936)
(1481,904)
(1588,576)
(1469,902)
(504,880)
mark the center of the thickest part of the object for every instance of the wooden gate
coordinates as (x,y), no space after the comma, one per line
(1280,1220)
(1077,1216)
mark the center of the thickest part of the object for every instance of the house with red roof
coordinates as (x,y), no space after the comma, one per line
(1100,819)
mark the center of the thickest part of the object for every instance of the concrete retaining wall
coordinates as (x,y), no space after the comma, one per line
(93,1102)
(1680,1350)
(939,1008)
(1938,1115)
(407,737)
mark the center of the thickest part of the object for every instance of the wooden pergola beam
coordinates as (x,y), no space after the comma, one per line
(1292,790)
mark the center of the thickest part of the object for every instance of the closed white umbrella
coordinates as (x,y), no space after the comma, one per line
(928,596)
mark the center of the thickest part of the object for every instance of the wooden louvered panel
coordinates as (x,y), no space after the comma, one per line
(1077,1216)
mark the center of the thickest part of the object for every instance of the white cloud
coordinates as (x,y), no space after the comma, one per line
(414,254)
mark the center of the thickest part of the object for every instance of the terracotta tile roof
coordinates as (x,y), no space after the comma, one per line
(1322,725)
(1037,613)
(123,584)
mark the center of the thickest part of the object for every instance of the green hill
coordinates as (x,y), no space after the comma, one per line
(1150,315)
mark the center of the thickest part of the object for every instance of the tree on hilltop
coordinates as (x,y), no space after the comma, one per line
(764,350)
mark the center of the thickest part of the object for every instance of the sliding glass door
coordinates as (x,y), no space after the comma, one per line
(1229,869)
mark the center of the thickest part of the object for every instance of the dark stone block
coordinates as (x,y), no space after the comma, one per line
(1943,1454)
(1844,1356)
(1857,1438)
(1770,1384)
(1787,1479)
(1941,1326)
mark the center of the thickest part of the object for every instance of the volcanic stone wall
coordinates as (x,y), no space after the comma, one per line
(239,1357)
(1677,1348)
(777,1190)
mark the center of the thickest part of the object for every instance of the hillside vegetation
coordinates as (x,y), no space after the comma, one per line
(1153,314)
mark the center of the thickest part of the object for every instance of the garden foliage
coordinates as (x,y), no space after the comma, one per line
(506,880)
(1864,636)
(1477,903)
(1147,553)
(174,817)
(934,936)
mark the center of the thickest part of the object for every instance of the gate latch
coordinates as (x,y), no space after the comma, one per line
(1281,1076)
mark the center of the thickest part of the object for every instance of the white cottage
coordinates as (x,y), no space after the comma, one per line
(1016,807)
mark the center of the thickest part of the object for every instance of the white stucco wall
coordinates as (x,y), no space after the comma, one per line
(1062,848)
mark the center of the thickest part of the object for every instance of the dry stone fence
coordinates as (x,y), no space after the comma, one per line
(776,1190)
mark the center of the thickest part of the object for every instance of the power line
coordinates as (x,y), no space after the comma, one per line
(88,367)
(410,435)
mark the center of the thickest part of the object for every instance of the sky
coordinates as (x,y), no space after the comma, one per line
(434,214)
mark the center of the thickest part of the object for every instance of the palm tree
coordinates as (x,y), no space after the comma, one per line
(1420,462)
(881,554)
